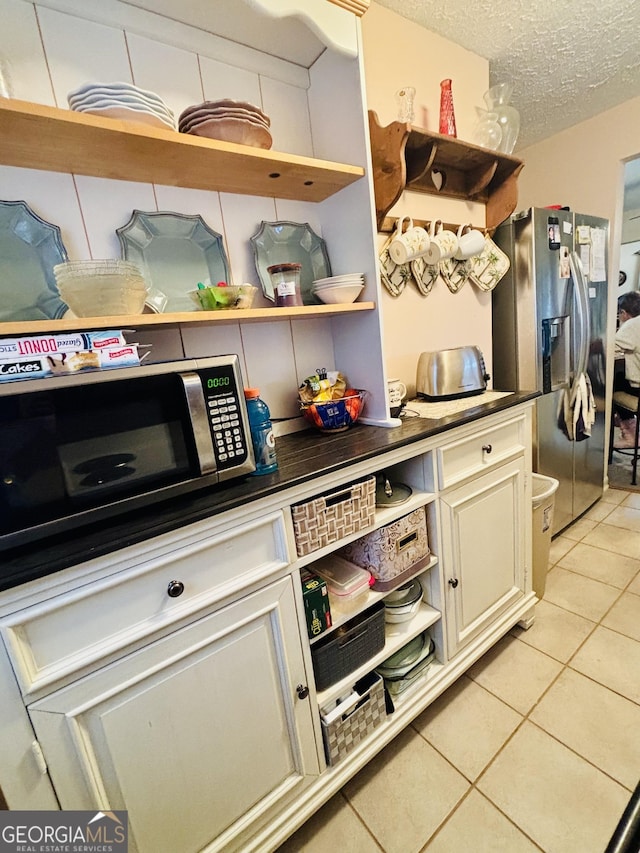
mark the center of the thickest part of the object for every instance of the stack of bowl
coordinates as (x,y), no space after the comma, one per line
(403,603)
(339,289)
(229,121)
(101,288)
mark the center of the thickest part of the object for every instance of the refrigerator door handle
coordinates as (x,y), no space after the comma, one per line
(581,299)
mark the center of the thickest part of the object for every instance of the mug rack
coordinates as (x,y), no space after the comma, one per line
(407,157)
(389,223)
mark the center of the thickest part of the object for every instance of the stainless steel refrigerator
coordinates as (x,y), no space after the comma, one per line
(549,327)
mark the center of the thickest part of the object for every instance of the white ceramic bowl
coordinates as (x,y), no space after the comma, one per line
(338,295)
(332,280)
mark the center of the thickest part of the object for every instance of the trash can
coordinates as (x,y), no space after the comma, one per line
(543,500)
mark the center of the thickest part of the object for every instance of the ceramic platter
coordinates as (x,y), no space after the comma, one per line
(175,252)
(291,242)
(29,250)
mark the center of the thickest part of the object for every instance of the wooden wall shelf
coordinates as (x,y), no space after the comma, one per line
(136,321)
(407,157)
(35,136)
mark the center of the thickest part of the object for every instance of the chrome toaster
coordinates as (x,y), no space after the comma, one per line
(451,373)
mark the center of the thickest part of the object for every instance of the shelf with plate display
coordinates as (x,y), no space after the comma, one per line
(250,315)
(407,157)
(35,136)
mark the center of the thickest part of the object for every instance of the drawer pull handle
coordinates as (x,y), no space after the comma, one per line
(487,448)
(175,589)
(302,690)
(453,582)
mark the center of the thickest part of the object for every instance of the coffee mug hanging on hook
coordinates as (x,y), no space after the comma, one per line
(447,114)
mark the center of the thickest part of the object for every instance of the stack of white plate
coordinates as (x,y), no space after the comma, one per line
(123,101)
(339,288)
(229,121)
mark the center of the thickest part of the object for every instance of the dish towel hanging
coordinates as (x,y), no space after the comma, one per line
(584,408)
(577,410)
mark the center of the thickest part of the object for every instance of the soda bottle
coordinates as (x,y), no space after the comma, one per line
(262,438)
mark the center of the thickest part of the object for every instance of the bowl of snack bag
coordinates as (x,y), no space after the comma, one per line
(328,403)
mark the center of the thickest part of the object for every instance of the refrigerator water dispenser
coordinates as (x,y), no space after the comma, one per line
(556,363)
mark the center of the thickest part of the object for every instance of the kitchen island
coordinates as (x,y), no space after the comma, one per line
(164,657)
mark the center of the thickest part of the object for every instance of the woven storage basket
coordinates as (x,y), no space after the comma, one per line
(330,517)
(345,733)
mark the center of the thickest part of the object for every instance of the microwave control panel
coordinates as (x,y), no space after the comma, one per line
(225,415)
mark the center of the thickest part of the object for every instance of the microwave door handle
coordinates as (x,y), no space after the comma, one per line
(197,408)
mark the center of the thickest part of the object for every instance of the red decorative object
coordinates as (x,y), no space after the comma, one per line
(447,115)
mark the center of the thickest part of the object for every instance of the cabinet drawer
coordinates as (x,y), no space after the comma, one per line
(68,632)
(474,454)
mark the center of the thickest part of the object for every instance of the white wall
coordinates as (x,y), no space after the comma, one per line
(398,53)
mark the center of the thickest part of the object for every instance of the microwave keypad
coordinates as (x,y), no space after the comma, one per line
(226,428)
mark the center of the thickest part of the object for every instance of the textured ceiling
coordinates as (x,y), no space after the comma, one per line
(567,59)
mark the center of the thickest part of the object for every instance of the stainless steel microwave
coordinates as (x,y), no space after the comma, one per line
(80,448)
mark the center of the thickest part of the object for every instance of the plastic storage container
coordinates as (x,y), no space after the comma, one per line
(346,582)
(262,438)
(350,646)
(543,502)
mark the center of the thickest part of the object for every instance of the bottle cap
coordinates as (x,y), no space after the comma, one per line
(250,393)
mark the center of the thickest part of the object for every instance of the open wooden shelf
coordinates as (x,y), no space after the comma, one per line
(407,157)
(35,136)
(250,315)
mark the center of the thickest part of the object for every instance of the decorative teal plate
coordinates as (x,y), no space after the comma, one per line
(175,252)
(291,242)
(29,250)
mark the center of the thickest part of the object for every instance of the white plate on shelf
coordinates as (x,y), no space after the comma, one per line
(113,88)
(291,242)
(128,113)
(122,100)
(175,252)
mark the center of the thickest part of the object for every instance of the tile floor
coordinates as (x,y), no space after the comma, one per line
(537,747)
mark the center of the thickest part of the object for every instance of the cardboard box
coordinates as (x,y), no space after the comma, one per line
(316,603)
(393,552)
(60,363)
(39,345)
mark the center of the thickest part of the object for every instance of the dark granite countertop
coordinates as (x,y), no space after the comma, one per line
(302,456)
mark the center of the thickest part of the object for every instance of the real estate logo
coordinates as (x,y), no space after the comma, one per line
(63,832)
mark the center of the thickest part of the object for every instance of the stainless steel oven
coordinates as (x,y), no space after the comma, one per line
(76,449)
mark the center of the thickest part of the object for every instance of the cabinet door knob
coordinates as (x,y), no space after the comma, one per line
(175,589)
(487,448)
(302,690)
(453,582)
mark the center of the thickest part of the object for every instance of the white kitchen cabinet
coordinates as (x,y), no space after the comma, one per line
(483,551)
(199,714)
(197,734)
